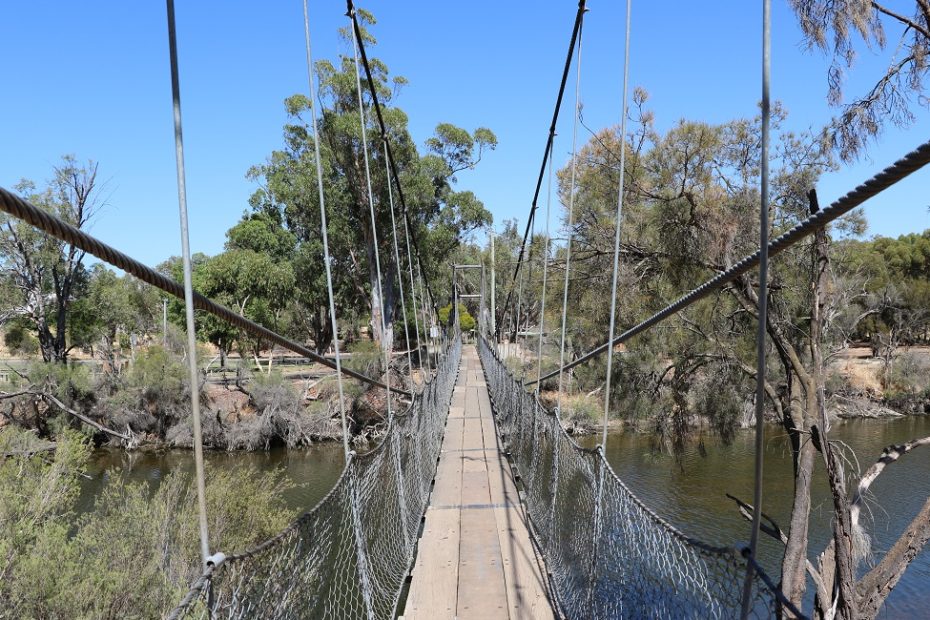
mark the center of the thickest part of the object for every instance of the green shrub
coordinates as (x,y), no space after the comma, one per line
(366,358)
(132,557)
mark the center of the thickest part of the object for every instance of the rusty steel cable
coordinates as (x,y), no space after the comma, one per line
(17,207)
(910,163)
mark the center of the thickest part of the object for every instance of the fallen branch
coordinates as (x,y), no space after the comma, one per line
(83,418)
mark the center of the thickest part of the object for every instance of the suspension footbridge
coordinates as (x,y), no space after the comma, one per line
(475,502)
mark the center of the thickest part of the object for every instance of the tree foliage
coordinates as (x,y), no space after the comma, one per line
(41,274)
(840,28)
(439,214)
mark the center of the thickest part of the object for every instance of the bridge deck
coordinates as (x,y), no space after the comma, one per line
(475,558)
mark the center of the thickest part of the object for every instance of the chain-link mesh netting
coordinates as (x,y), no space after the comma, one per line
(348,556)
(609,555)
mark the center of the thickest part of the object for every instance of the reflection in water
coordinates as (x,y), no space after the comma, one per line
(313,472)
(690,492)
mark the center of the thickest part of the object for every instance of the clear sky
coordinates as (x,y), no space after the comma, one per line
(92,79)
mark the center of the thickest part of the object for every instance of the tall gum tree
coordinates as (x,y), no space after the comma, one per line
(440,216)
(43,273)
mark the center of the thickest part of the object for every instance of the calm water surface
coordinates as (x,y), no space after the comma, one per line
(690,491)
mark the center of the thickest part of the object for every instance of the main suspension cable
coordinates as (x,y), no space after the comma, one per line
(55,226)
(547,152)
(188,288)
(907,165)
(327,260)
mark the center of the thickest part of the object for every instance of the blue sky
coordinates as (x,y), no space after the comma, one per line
(92,79)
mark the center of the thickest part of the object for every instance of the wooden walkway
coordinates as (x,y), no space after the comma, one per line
(475,557)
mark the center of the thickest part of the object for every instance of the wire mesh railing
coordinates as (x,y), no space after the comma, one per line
(609,555)
(348,557)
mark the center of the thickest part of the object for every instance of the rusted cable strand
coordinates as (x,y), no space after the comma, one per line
(350,6)
(910,163)
(579,17)
(17,207)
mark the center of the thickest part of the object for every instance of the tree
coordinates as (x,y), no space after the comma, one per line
(690,211)
(44,273)
(254,276)
(113,314)
(466,320)
(834,27)
(439,215)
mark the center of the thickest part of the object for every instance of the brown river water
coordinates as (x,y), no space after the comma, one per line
(689,491)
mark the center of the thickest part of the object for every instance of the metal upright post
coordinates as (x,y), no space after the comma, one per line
(493,291)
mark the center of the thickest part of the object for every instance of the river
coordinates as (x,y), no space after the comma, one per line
(688,491)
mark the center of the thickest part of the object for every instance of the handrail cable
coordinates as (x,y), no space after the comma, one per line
(763,295)
(547,152)
(327,260)
(386,351)
(17,207)
(188,288)
(360,42)
(907,165)
(618,223)
(571,213)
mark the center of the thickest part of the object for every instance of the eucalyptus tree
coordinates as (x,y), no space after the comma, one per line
(42,274)
(438,213)
(254,276)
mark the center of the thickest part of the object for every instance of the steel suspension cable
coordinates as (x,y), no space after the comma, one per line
(763,304)
(907,165)
(374,223)
(327,260)
(360,43)
(545,262)
(188,287)
(571,216)
(547,152)
(413,299)
(400,274)
(618,223)
(55,226)
(523,278)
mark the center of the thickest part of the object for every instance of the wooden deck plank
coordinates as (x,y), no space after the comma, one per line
(435,577)
(475,558)
(524,569)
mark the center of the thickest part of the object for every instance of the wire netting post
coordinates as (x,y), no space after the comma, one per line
(401,489)
(554,491)
(595,538)
(361,554)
